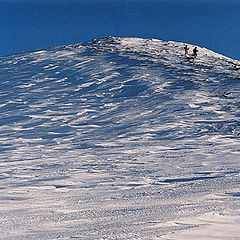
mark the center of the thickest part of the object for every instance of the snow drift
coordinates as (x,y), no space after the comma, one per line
(119,138)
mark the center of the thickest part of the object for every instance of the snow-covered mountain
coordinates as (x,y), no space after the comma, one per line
(119,138)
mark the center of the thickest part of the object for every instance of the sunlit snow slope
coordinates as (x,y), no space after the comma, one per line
(119,138)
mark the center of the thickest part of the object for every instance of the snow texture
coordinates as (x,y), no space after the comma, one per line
(119,138)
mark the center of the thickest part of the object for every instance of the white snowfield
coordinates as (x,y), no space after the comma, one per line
(119,138)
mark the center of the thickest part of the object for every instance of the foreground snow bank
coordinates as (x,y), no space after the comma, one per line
(220,226)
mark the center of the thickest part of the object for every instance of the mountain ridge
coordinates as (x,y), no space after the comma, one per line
(118,138)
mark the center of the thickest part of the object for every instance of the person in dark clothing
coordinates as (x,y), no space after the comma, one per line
(195,52)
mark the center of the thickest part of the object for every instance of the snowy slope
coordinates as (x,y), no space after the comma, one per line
(119,138)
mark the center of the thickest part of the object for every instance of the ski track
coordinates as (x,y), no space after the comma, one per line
(119,138)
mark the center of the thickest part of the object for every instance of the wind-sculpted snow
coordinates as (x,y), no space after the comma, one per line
(119,138)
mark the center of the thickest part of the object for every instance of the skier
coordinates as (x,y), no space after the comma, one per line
(186,48)
(195,51)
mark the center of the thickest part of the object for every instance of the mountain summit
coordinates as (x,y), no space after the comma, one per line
(116,139)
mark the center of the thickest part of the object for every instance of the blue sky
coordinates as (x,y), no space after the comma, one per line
(26,25)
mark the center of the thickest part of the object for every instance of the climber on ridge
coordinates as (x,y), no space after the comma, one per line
(186,48)
(195,51)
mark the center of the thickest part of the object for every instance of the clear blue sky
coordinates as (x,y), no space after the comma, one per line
(35,24)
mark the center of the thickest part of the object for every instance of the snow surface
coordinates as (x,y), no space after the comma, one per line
(119,138)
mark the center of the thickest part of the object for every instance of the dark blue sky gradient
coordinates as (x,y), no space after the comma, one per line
(35,24)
